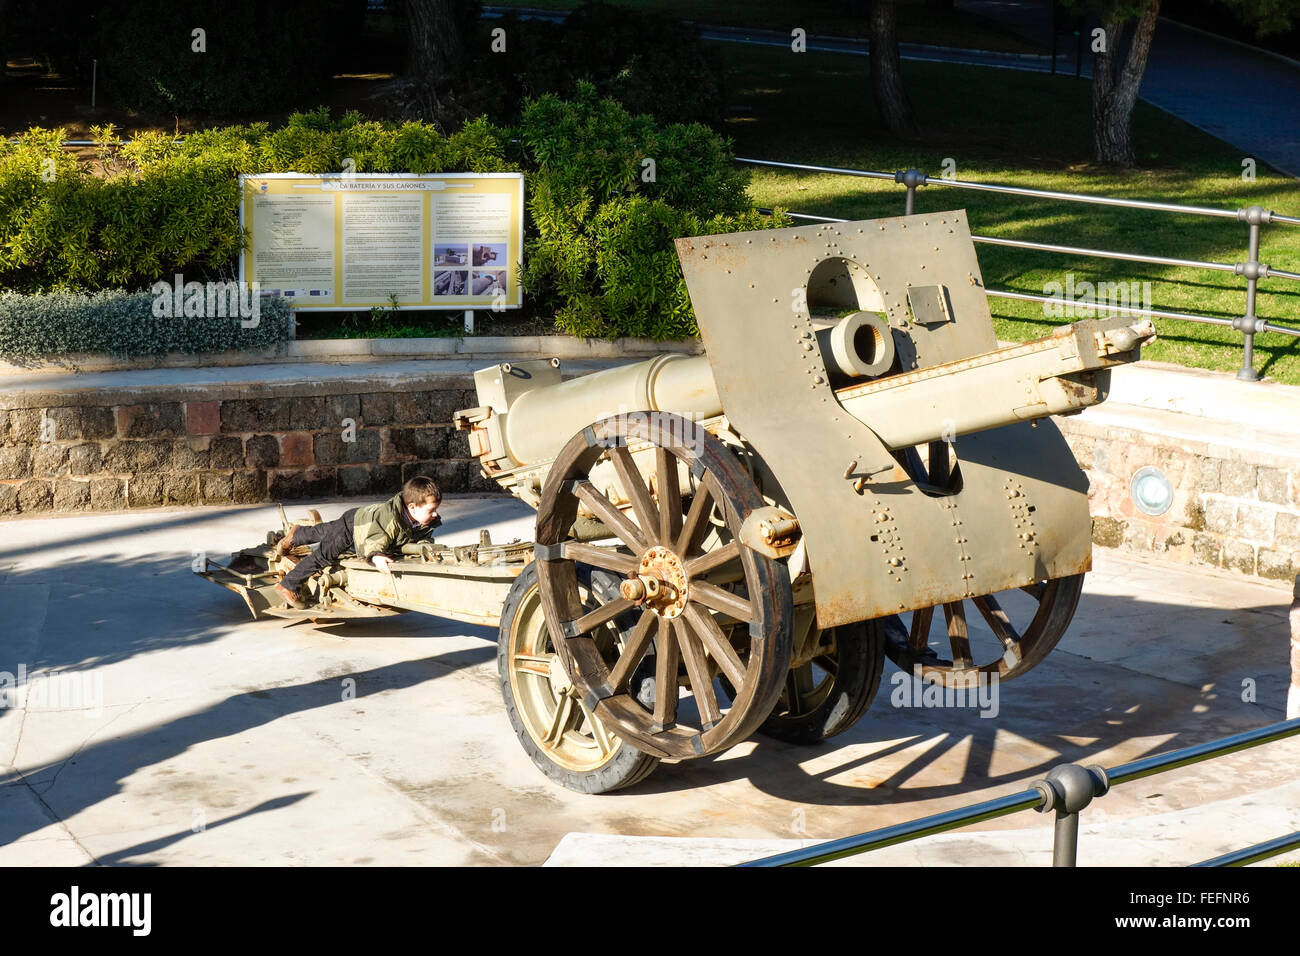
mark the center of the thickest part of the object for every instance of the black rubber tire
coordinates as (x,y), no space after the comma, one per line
(625,767)
(860,654)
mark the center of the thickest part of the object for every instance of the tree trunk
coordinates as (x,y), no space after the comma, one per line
(436,57)
(886,72)
(1115,82)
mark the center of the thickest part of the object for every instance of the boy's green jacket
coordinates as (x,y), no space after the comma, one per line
(377,529)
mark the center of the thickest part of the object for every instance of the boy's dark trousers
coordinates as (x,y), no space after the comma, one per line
(335,538)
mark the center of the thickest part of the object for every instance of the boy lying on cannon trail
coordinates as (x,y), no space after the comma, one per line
(373,532)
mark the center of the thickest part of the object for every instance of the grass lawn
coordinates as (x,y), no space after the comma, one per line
(1031,130)
(917,23)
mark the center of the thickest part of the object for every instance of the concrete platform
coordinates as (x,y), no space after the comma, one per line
(181,732)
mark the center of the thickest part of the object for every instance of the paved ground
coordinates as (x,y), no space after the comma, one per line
(196,736)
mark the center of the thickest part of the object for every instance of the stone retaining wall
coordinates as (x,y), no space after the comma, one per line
(106,457)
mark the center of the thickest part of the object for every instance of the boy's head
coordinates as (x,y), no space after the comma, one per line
(421,495)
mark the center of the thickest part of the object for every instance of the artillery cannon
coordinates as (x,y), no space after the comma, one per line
(730,542)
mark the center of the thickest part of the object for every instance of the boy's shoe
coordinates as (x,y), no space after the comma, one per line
(290,597)
(285,543)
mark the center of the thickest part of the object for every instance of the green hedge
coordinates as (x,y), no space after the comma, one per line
(607,192)
(42,326)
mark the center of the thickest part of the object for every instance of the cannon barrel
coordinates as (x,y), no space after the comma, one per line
(1059,374)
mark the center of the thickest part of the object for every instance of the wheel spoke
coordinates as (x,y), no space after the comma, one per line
(599,557)
(637,644)
(667,656)
(602,614)
(1036,590)
(697,669)
(955,614)
(598,731)
(647,515)
(699,566)
(716,643)
(524,666)
(918,638)
(560,719)
(670,496)
(715,597)
(696,520)
(610,516)
(997,620)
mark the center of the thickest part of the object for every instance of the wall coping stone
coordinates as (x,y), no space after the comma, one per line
(366,350)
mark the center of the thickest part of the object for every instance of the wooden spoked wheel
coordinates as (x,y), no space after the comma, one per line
(685,579)
(1007,649)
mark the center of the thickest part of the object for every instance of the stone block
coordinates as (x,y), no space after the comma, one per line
(1194,515)
(385,480)
(85,422)
(193,454)
(451,476)
(1207,549)
(262,451)
(409,443)
(1107,532)
(165,420)
(36,495)
(23,426)
(1286,530)
(1274,486)
(329,448)
(203,418)
(107,494)
(308,412)
(1138,536)
(181,489)
(354,480)
(50,461)
(412,468)
(15,462)
(1101,457)
(255,415)
(458,444)
(1279,565)
(312,483)
(341,407)
(226,452)
(296,449)
(214,486)
(1220,515)
(71,495)
(84,459)
(145,491)
(8,499)
(478,481)
(1083,448)
(1255,522)
(1204,474)
(249,486)
(1236,478)
(377,409)
(138,457)
(1239,556)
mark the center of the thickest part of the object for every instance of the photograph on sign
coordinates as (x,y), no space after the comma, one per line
(345,241)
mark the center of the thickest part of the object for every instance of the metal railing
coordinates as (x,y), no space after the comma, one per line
(1249,324)
(1067,789)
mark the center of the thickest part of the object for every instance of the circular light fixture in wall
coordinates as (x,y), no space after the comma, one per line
(1151,491)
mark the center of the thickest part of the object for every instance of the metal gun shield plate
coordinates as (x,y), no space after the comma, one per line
(878,544)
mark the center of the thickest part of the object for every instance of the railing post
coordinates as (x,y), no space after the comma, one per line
(1293,695)
(1067,789)
(911,178)
(1252,269)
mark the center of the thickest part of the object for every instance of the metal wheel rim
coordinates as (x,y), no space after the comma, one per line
(1023,649)
(576,741)
(693,640)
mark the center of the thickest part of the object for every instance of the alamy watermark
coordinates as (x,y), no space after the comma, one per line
(1081,299)
(53,690)
(975,688)
(228,299)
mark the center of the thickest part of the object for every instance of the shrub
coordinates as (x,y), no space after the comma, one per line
(37,327)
